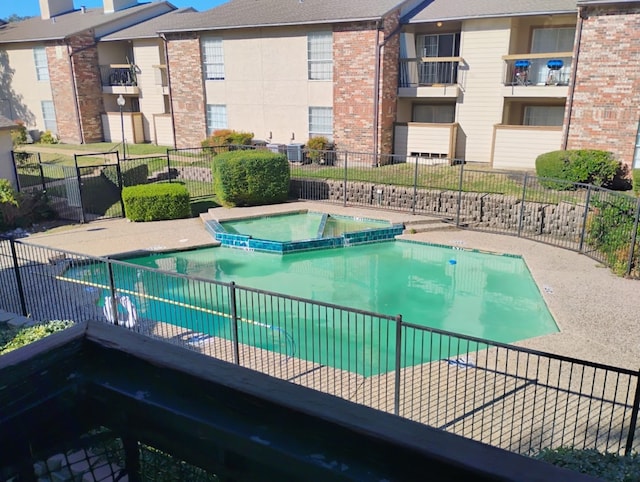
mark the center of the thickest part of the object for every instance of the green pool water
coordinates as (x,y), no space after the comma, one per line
(488,296)
(297,226)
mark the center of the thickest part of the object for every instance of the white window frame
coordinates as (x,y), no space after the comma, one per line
(216,117)
(212,58)
(320,55)
(543,115)
(41,63)
(321,122)
(49,116)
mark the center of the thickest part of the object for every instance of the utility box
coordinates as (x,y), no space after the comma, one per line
(277,148)
(294,152)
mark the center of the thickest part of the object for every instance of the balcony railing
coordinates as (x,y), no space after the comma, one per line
(118,75)
(427,71)
(538,69)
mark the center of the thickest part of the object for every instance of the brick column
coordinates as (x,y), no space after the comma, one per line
(354,46)
(606,101)
(187,89)
(85,116)
(389,84)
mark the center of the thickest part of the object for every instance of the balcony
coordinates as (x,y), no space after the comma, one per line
(537,75)
(516,146)
(430,77)
(436,141)
(119,79)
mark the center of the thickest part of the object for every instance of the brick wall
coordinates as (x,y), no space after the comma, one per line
(187,89)
(84,62)
(354,47)
(389,83)
(606,102)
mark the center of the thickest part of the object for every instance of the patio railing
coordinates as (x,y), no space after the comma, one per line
(510,397)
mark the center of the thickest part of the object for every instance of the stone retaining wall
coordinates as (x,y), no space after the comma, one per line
(480,210)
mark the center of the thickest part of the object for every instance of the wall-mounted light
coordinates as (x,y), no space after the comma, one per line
(293,136)
(438,24)
(270,135)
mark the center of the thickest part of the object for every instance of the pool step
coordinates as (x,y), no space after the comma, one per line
(427,225)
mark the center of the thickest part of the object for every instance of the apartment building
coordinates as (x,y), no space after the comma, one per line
(51,79)
(288,70)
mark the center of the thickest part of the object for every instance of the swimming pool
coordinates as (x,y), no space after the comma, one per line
(462,291)
(300,231)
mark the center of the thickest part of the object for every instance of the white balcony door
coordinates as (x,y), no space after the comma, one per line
(548,41)
(439,45)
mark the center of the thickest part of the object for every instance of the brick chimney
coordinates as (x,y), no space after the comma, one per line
(111,6)
(51,8)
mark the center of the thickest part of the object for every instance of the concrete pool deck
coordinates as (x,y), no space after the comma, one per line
(595,310)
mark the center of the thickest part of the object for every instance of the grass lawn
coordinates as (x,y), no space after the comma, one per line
(133,149)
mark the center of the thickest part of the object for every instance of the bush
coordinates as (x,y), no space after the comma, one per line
(562,168)
(13,338)
(131,175)
(228,137)
(635,176)
(19,136)
(250,178)
(154,202)
(316,150)
(611,467)
(47,138)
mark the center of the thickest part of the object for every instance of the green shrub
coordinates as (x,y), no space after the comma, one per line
(153,202)
(227,137)
(611,467)
(131,175)
(250,178)
(316,150)
(635,176)
(562,168)
(14,338)
(47,138)
(610,228)
(19,135)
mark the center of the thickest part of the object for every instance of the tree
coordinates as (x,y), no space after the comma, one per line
(14,17)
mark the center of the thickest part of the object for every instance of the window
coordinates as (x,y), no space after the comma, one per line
(213,58)
(42,67)
(434,114)
(321,122)
(548,40)
(49,116)
(543,115)
(320,55)
(216,117)
(439,45)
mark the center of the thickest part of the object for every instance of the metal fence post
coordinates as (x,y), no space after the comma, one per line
(79,178)
(460,183)
(584,220)
(396,393)
(634,238)
(234,323)
(344,190)
(634,418)
(42,179)
(120,182)
(15,170)
(415,187)
(114,299)
(14,255)
(168,166)
(524,194)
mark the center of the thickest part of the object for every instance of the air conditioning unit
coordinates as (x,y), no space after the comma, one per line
(277,148)
(294,152)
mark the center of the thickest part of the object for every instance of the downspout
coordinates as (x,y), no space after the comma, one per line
(166,59)
(574,70)
(76,104)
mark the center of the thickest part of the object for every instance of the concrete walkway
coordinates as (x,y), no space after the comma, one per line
(595,310)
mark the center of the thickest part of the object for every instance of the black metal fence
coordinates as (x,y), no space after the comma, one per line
(597,222)
(510,397)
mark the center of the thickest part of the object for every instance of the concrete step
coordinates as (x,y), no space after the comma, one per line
(427,226)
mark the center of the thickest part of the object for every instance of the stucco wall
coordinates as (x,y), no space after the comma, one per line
(6,162)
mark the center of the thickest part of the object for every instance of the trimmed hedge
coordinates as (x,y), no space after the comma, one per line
(251,178)
(588,166)
(14,338)
(154,202)
(131,176)
(635,177)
